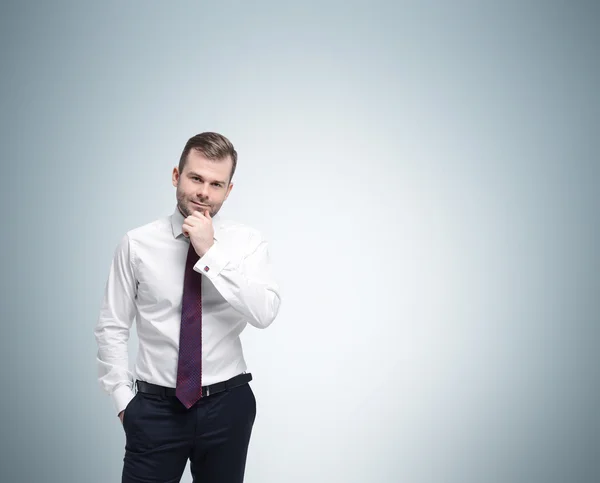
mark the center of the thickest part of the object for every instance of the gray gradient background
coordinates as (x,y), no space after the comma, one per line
(427,175)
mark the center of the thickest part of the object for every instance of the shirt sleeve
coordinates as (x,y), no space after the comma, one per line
(113,326)
(249,286)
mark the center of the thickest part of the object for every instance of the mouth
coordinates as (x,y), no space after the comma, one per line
(200,205)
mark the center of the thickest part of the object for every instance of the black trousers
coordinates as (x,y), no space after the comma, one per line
(161,435)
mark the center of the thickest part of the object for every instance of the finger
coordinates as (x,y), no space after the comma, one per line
(186,229)
(198,214)
(192,220)
(207,213)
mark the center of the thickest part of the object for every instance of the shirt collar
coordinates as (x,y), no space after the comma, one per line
(177,221)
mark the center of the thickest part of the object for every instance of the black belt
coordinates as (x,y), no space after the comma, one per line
(238,380)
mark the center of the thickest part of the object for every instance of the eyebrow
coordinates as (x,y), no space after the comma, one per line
(192,174)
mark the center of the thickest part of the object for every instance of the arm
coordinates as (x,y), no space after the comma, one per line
(113,326)
(249,287)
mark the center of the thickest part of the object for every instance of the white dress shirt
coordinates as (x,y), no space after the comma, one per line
(145,283)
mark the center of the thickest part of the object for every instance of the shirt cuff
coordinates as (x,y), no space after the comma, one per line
(212,262)
(121,397)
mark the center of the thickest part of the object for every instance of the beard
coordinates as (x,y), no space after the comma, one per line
(185,205)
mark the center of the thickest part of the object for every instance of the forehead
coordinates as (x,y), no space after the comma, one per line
(199,164)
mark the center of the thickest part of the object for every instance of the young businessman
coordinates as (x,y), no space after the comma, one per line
(192,281)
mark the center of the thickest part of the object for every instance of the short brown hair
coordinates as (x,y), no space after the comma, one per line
(211,145)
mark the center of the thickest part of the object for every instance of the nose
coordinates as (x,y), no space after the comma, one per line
(203,190)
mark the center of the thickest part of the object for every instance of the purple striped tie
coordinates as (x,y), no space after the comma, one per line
(189,366)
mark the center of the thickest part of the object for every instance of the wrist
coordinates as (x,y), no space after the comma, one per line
(202,249)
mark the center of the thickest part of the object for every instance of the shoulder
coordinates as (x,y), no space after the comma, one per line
(237,233)
(145,236)
(237,228)
(148,230)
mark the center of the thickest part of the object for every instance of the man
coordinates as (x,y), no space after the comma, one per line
(192,281)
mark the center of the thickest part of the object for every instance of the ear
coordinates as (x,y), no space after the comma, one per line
(228,191)
(175,176)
